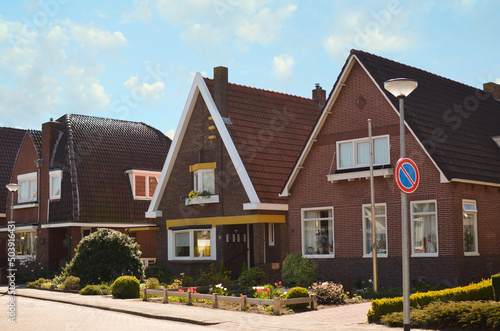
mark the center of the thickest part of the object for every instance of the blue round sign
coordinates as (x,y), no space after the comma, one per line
(406,175)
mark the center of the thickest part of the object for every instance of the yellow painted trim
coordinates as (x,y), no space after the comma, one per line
(200,166)
(145,228)
(211,127)
(210,118)
(212,137)
(227,220)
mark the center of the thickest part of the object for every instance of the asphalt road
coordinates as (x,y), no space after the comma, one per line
(39,315)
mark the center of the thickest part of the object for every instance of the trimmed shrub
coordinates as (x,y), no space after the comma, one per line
(297,292)
(105,255)
(71,283)
(329,293)
(102,289)
(495,281)
(482,315)
(298,271)
(126,287)
(152,283)
(472,292)
(40,282)
(252,277)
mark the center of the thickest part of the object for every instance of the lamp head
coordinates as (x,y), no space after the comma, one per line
(400,87)
(12,187)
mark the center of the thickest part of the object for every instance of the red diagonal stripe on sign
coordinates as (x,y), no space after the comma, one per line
(409,177)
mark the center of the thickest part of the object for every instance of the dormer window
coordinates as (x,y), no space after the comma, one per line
(55,184)
(143,183)
(27,188)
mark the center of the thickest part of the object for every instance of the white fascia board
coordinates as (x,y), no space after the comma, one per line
(441,174)
(199,87)
(95,225)
(228,142)
(174,148)
(265,206)
(467,181)
(312,138)
(19,227)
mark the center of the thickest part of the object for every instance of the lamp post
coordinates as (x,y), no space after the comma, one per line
(401,88)
(12,188)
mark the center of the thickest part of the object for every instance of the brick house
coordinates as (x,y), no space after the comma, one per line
(235,145)
(89,172)
(453,135)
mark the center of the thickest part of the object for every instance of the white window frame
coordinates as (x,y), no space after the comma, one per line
(474,212)
(83,229)
(198,180)
(55,174)
(28,178)
(271,232)
(412,214)
(32,248)
(365,229)
(355,143)
(171,245)
(302,220)
(148,174)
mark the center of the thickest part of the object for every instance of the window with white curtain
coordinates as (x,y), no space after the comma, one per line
(27,188)
(424,228)
(470,227)
(381,228)
(356,153)
(317,232)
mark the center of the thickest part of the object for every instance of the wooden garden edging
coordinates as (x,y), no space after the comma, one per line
(243,300)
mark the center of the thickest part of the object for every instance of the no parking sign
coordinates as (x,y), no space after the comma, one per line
(406,175)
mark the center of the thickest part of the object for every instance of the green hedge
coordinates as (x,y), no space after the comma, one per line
(126,287)
(475,315)
(472,292)
(96,290)
(495,280)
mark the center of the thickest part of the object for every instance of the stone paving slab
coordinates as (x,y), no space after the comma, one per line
(347,317)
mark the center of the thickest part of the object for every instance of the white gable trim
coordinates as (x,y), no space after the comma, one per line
(199,87)
(312,138)
(265,206)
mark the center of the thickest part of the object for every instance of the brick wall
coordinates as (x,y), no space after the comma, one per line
(311,189)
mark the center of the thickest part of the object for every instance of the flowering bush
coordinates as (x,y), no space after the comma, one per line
(268,291)
(219,289)
(329,293)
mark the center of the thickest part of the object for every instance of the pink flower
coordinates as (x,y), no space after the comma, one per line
(275,284)
(279,282)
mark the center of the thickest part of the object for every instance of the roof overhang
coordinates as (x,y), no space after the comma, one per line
(95,225)
(476,182)
(227,220)
(18,227)
(265,206)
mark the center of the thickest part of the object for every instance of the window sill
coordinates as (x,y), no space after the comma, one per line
(378,255)
(191,259)
(202,200)
(425,255)
(471,254)
(351,176)
(23,205)
(319,256)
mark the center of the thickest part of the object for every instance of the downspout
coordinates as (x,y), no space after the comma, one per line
(38,163)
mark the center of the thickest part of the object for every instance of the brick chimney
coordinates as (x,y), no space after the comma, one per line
(493,88)
(220,90)
(319,95)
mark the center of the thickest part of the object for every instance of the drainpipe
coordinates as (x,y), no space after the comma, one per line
(39,163)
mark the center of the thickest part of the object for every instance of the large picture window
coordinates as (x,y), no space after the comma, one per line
(381,228)
(27,188)
(424,228)
(317,232)
(470,227)
(356,153)
(192,244)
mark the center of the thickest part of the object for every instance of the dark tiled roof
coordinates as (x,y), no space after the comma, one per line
(94,154)
(10,142)
(466,150)
(269,130)
(36,136)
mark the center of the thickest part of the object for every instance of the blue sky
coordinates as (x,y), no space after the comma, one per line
(136,60)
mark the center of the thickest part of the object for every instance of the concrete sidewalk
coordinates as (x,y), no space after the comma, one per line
(347,317)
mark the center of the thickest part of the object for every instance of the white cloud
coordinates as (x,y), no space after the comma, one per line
(140,91)
(282,66)
(83,91)
(202,34)
(142,12)
(170,133)
(497,80)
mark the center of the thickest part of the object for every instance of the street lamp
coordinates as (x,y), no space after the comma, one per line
(12,188)
(401,88)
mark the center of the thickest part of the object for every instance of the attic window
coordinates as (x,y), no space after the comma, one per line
(143,183)
(55,184)
(203,177)
(27,188)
